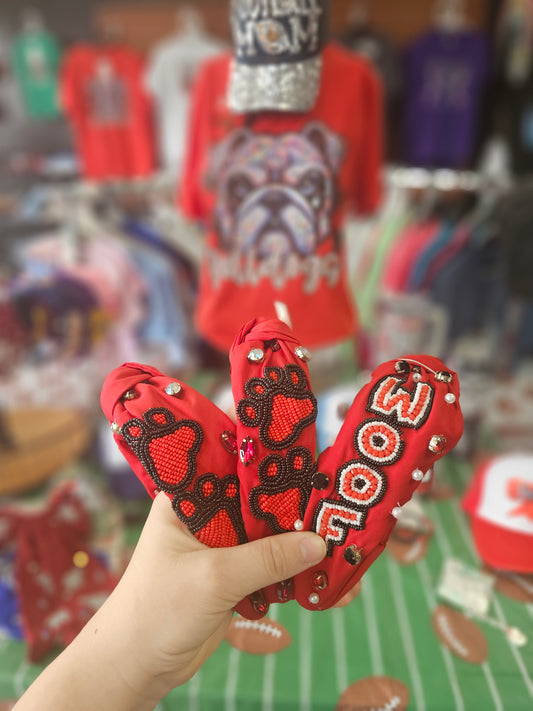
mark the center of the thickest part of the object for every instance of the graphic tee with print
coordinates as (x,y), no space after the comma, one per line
(445,77)
(36,57)
(273,189)
(111,115)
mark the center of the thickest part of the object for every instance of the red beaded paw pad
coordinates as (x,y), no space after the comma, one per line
(212,511)
(280,404)
(282,497)
(166,448)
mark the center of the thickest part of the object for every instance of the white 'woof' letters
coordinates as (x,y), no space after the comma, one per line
(358,485)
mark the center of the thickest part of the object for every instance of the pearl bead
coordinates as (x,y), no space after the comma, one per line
(396,511)
(314,598)
(418,475)
(450,398)
(299,525)
(417,377)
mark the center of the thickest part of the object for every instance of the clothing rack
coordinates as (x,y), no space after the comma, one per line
(444,179)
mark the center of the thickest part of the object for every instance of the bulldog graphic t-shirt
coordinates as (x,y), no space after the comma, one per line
(273,189)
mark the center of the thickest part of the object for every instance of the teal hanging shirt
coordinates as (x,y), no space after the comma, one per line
(36,58)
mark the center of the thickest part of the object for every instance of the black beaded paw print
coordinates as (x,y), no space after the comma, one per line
(286,483)
(280,404)
(212,511)
(167,447)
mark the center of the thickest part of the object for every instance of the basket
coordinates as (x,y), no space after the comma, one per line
(41,441)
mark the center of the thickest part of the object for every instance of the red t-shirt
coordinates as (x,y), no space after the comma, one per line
(273,189)
(110,113)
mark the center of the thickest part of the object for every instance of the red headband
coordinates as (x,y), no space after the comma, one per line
(232,483)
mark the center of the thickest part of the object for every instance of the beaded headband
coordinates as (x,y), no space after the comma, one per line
(236,482)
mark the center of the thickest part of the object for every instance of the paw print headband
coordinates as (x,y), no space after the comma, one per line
(236,482)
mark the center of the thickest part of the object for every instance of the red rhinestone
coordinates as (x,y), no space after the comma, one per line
(229,442)
(286,590)
(247,451)
(259,603)
(320,580)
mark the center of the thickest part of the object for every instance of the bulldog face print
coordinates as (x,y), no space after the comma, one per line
(275,194)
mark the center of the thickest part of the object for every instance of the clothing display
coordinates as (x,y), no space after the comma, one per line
(225,228)
(36,59)
(445,77)
(104,98)
(273,190)
(170,75)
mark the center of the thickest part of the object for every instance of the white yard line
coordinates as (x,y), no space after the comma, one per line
(19,685)
(194,691)
(447,550)
(497,606)
(269,670)
(405,629)
(339,643)
(374,643)
(427,587)
(305,659)
(232,679)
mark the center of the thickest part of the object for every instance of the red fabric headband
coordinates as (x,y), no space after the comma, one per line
(231,483)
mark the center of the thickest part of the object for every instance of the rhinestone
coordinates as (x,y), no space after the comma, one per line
(437,443)
(320,481)
(353,555)
(450,398)
(314,598)
(116,428)
(256,355)
(402,367)
(417,377)
(285,590)
(320,580)
(130,395)
(302,353)
(443,376)
(299,525)
(247,451)
(418,475)
(397,512)
(229,441)
(174,389)
(259,603)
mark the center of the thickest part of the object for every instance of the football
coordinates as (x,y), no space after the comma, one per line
(262,636)
(374,692)
(461,635)
(514,585)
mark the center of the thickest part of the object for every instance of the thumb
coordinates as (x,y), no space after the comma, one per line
(267,561)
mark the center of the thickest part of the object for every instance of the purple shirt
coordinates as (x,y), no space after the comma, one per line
(445,77)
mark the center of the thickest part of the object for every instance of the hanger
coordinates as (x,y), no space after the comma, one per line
(190,23)
(450,16)
(32,21)
(358,15)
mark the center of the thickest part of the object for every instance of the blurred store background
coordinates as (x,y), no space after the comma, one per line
(110,211)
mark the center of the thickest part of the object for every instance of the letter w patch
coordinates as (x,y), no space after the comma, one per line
(410,409)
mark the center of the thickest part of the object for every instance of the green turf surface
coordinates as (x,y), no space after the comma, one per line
(387,630)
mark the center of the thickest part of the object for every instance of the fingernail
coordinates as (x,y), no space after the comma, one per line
(313,549)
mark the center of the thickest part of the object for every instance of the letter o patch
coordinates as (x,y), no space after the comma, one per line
(378,441)
(360,484)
